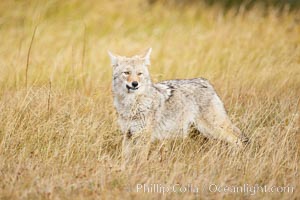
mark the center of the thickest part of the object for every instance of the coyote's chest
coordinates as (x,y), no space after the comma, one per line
(133,112)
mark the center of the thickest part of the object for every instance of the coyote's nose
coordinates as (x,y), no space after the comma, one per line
(134,84)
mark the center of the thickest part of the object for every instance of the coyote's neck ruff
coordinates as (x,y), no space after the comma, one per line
(168,108)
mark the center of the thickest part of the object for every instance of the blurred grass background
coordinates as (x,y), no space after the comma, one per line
(58,135)
(236,4)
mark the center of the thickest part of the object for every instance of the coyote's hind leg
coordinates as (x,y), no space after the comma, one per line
(219,131)
(215,122)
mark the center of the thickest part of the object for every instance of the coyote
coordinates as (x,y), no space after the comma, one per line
(168,108)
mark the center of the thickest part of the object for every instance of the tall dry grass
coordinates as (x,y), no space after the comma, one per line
(59,138)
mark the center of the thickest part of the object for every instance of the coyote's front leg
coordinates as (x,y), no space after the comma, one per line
(127,147)
(136,146)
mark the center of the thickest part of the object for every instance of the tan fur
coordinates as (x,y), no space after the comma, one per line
(169,108)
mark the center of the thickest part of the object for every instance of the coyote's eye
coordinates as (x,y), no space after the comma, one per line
(140,74)
(126,73)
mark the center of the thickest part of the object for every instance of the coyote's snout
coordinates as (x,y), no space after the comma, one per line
(167,108)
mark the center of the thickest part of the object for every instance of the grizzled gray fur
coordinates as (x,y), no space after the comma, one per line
(168,108)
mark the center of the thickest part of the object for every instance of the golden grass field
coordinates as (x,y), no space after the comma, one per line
(58,133)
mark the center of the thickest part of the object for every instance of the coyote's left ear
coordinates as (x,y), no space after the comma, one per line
(147,56)
(113,58)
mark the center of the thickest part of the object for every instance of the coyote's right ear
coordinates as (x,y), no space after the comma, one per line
(113,58)
(147,56)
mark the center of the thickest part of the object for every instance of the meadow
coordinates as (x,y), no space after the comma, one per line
(58,133)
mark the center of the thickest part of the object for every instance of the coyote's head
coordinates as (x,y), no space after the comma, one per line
(130,74)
